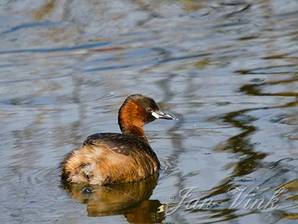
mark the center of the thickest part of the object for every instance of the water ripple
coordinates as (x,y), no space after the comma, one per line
(58,49)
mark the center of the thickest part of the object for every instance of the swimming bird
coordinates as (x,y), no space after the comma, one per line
(109,158)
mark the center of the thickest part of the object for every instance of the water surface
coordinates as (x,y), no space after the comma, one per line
(227,69)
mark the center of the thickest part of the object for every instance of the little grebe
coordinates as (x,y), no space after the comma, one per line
(107,158)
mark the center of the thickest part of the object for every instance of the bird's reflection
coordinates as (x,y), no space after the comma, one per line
(130,199)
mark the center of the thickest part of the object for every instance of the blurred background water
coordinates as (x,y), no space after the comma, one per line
(227,68)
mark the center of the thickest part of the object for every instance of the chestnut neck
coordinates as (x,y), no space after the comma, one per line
(131,121)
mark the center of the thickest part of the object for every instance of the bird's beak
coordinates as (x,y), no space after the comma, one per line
(163,115)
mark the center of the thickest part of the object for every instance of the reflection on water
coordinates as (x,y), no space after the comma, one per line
(131,200)
(228,69)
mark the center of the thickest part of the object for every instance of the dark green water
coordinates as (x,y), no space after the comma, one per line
(227,69)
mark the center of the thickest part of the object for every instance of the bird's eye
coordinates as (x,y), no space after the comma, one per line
(148,109)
